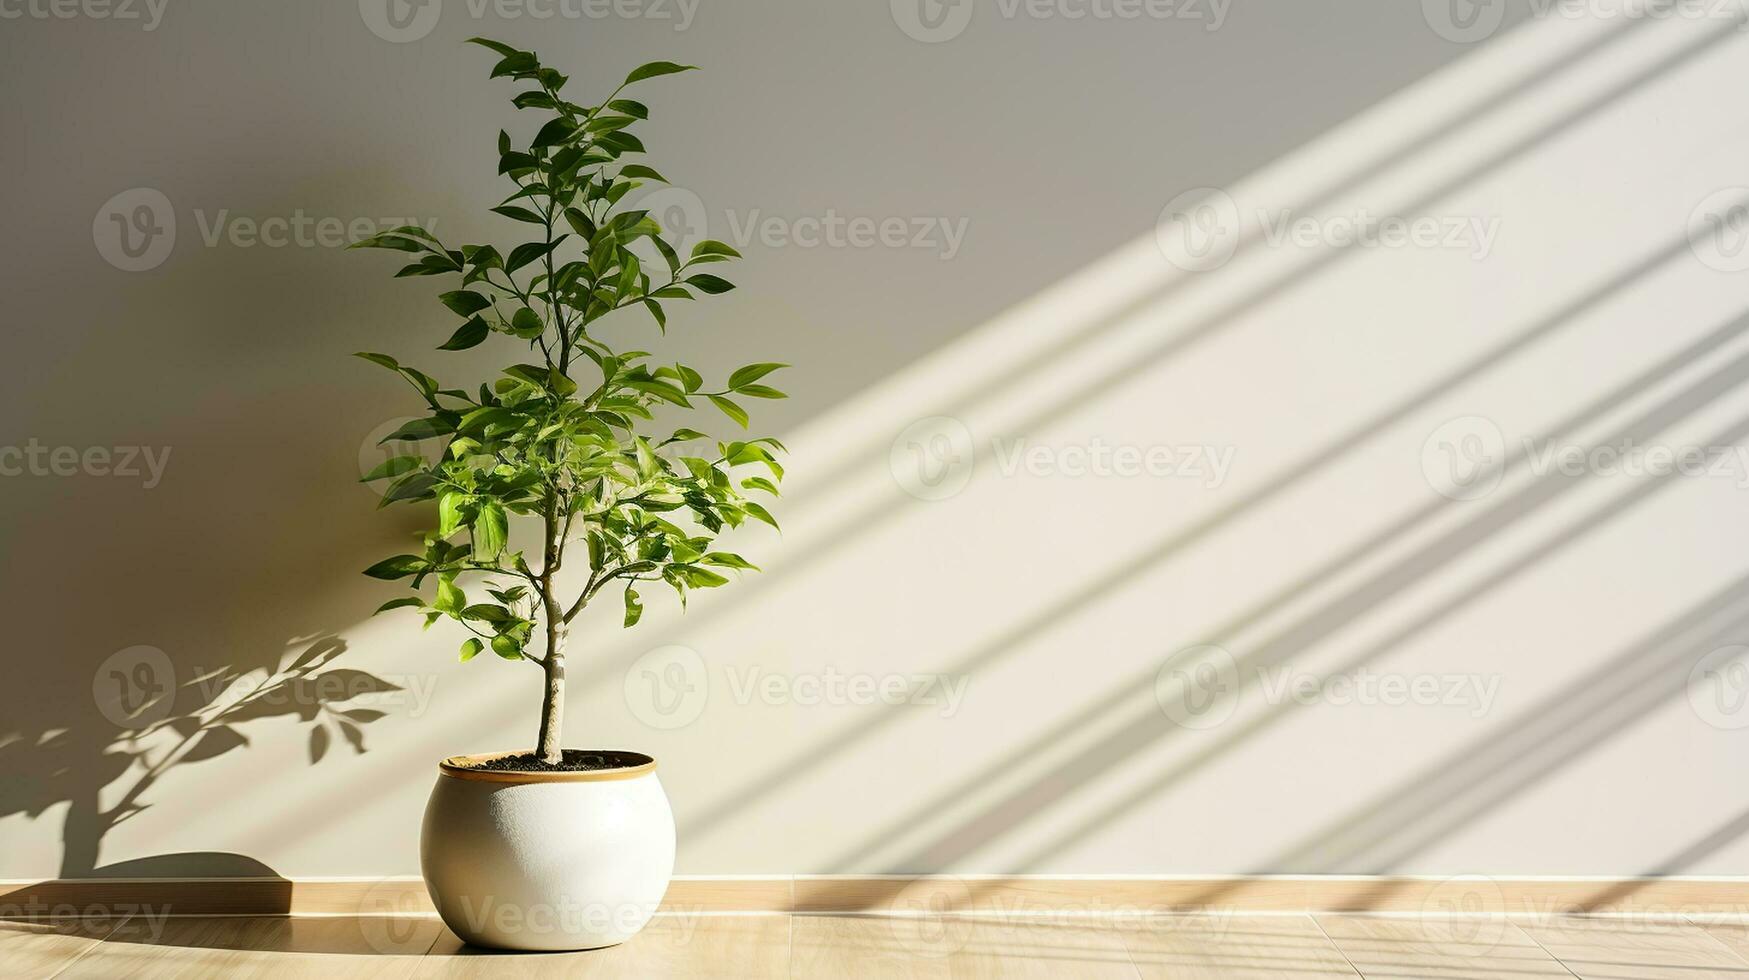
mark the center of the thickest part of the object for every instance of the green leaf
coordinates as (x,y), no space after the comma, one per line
(383,359)
(399,243)
(700,578)
(416,430)
(522,255)
(485,612)
(393,467)
(580,223)
(516,213)
(417,485)
(464,302)
(471,648)
(401,603)
(656,69)
(450,598)
(526,323)
(707,283)
(637,171)
(505,645)
(399,566)
(663,390)
(630,108)
(758,512)
(498,46)
(730,409)
(555,131)
(760,391)
(634,608)
(727,560)
(451,513)
(470,334)
(713,247)
(516,63)
(480,418)
(752,373)
(490,529)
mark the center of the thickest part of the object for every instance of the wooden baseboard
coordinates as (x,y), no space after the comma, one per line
(1036,895)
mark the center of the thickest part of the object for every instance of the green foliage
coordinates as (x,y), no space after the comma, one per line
(557,437)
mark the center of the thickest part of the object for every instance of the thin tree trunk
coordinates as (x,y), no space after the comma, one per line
(552,713)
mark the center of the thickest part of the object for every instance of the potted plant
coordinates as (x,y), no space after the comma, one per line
(560,848)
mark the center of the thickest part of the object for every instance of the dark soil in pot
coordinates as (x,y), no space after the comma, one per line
(575,760)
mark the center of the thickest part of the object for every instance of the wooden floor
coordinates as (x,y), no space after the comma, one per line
(1279,947)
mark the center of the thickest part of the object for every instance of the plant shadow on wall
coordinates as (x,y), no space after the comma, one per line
(143,724)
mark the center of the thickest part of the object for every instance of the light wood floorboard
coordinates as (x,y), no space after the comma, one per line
(1391,948)
(29,949)
(1600,948)
(1226,947)
(922,947)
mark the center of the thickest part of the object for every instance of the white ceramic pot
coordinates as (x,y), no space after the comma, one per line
(547,860)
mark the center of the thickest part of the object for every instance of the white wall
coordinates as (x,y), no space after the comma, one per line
(1560,618)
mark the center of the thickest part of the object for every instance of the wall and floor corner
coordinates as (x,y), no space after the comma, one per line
(1308,442)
